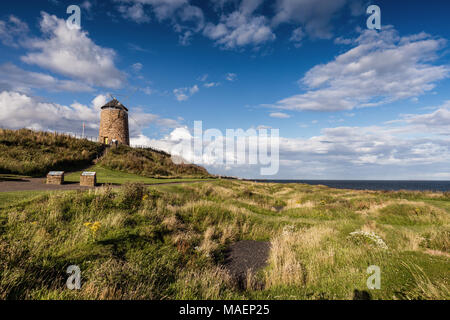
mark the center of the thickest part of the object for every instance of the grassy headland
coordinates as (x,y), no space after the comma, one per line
(168,242)
(26,152)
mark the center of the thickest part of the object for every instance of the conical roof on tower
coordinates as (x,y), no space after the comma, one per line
(114,103)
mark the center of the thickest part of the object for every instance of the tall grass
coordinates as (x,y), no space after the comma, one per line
(27,152)
(169,242)
(149,163)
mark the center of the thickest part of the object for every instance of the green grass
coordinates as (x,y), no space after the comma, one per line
(168,242)
(27,152)
(12,199)
(149,163)
(118,177)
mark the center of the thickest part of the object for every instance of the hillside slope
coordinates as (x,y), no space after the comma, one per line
(26,152)
(148,163)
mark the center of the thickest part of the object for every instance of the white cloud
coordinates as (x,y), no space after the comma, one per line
(19,110)
(297,37)
(382,68)
(279,115)
(86,5)
(135,13)
(148,91)
(231,77)
(183,94)
(400,151)
(137,67)
(239,29)
(12,30)
(179,13)
(314,15)
(73,54)
(186,38)
(16,79)
(437,122)
(211,84)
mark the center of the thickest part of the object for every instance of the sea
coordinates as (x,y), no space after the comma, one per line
(388,185)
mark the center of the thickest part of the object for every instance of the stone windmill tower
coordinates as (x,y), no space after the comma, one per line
(114,123)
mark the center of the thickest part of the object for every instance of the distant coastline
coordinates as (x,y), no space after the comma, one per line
(379,185)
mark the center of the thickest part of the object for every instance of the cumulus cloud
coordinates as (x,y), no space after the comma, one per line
(19,110)
(12,30)
(383,67)
(16,79)
(437,122)
(183,94)
(135,12)
(180,13)
(242,23)
(314,15)
(73,54)
(397,150)
(240,28)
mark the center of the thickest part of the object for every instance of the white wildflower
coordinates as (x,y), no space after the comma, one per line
(372,237)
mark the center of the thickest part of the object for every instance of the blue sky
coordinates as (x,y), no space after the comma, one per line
(350,103)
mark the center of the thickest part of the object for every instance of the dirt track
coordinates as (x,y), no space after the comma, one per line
(28,184)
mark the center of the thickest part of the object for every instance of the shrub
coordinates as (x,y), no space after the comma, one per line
(132,195)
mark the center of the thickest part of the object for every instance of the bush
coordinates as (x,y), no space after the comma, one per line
(133,195)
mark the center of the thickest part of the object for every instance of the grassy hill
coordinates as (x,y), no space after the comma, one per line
(168,242)
(30,153)
(148,163)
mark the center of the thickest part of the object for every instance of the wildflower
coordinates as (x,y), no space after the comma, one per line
(95,226)
(287,230)
(379,242)
(145,197)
